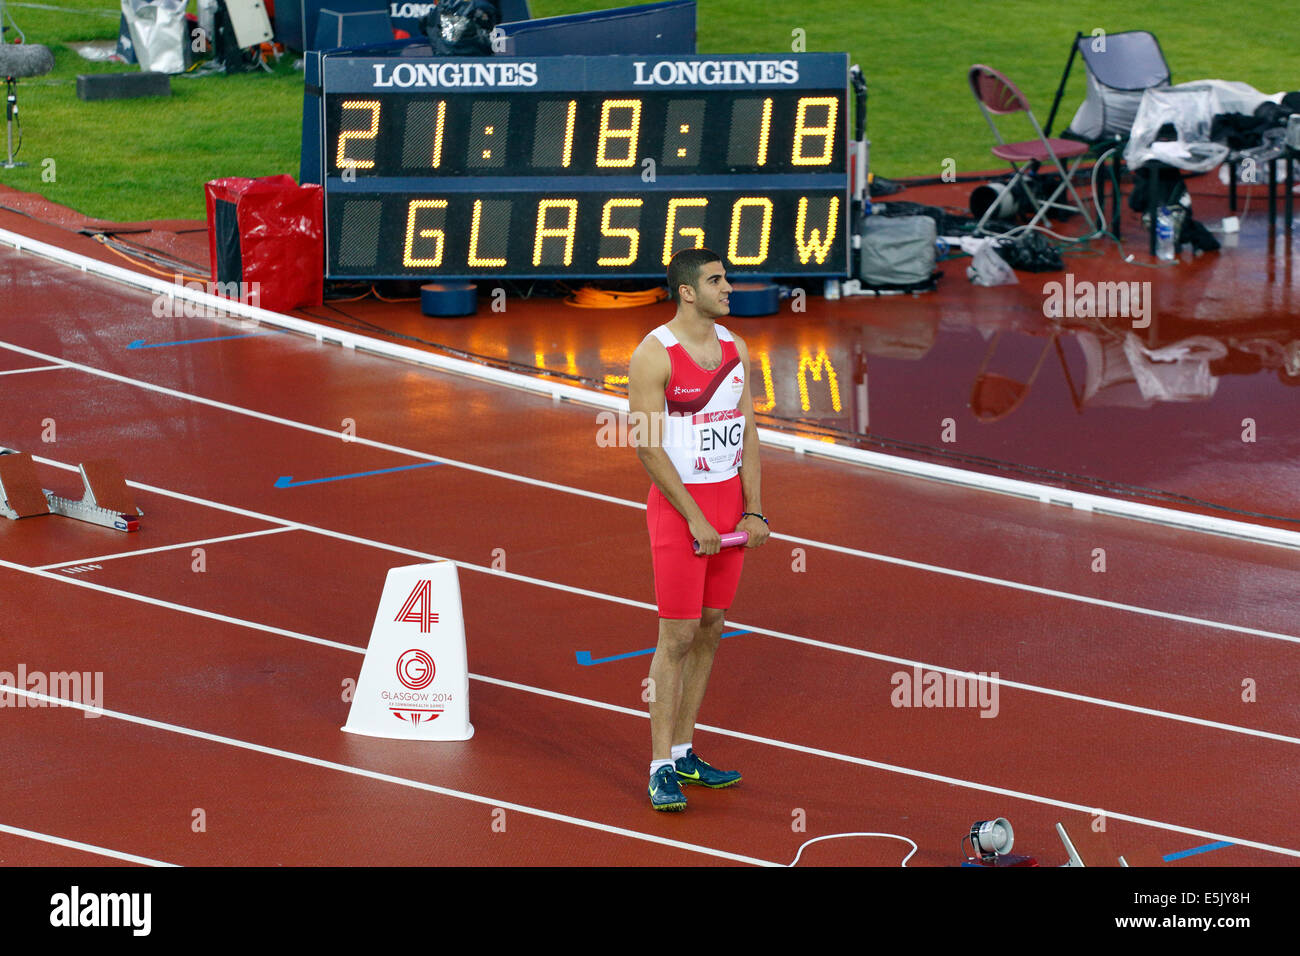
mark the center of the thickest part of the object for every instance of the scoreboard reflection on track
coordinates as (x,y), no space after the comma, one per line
(584,166)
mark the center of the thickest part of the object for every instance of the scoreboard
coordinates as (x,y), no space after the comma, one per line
(583,166)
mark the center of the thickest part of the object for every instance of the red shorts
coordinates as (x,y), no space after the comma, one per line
(684,583)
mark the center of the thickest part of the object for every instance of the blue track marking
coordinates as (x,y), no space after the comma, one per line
(141,344)
(586,660)
(286,481)
(1195,850)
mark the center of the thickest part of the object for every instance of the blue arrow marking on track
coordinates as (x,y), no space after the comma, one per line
(286,481)
(140,343)
(1195,850)
(586,660)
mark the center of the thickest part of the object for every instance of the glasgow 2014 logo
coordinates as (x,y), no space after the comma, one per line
(415,669)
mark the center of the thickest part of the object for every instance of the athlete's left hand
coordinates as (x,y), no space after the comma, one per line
(757,528)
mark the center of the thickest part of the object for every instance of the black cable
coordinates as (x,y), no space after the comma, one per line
(21,212)
(145,252)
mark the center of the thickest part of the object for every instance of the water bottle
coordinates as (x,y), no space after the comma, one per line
(1164,234)
(1293,131)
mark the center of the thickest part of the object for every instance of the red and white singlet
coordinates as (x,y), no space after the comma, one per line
(704,429)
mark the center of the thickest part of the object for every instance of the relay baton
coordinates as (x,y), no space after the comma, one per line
(731,539)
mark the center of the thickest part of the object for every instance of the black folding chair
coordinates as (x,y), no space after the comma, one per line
(1120,68)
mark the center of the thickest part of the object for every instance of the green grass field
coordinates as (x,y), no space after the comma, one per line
(149,158)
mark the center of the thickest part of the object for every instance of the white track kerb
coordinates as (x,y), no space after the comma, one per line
(1047,494)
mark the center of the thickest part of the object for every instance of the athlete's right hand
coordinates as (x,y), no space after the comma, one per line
(708,537)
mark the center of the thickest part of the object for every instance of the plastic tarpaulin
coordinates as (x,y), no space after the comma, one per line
(268,234)
(1179,372)
(1129,373)
(1109,378)
(1190,110)
(987,268)
(158,34)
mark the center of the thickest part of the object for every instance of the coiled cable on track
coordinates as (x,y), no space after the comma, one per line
(589,297)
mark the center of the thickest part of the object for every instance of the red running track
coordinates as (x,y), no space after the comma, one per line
(1121,690)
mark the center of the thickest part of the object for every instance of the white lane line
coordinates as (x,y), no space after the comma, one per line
(799,444)
(317,430)
(165,547)
(968,675)
(168,605)
(766,741)
(1044,592)
(888,559)
(389,778)
(638,505)
(597,595)
(910,772)
(566,489)
(37,368)
(87,847)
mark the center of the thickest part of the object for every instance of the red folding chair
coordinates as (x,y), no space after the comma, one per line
(998,95)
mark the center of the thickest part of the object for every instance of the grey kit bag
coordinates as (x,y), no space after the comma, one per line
(897,251)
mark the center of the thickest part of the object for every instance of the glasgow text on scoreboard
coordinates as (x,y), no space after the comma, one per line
(584,166)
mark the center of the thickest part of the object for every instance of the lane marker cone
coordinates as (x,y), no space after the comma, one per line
(414,682)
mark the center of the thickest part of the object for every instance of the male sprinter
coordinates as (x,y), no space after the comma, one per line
(688,395)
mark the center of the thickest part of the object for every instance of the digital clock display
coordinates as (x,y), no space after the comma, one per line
(584,166)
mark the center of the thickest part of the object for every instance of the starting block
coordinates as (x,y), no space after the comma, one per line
(106,501)
(1098,846)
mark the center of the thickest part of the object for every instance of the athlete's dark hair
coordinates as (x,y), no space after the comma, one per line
(684,269)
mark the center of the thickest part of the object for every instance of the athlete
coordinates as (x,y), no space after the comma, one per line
(692,422)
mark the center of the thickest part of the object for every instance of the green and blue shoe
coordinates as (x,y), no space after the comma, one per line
(692,769)
(665,792)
